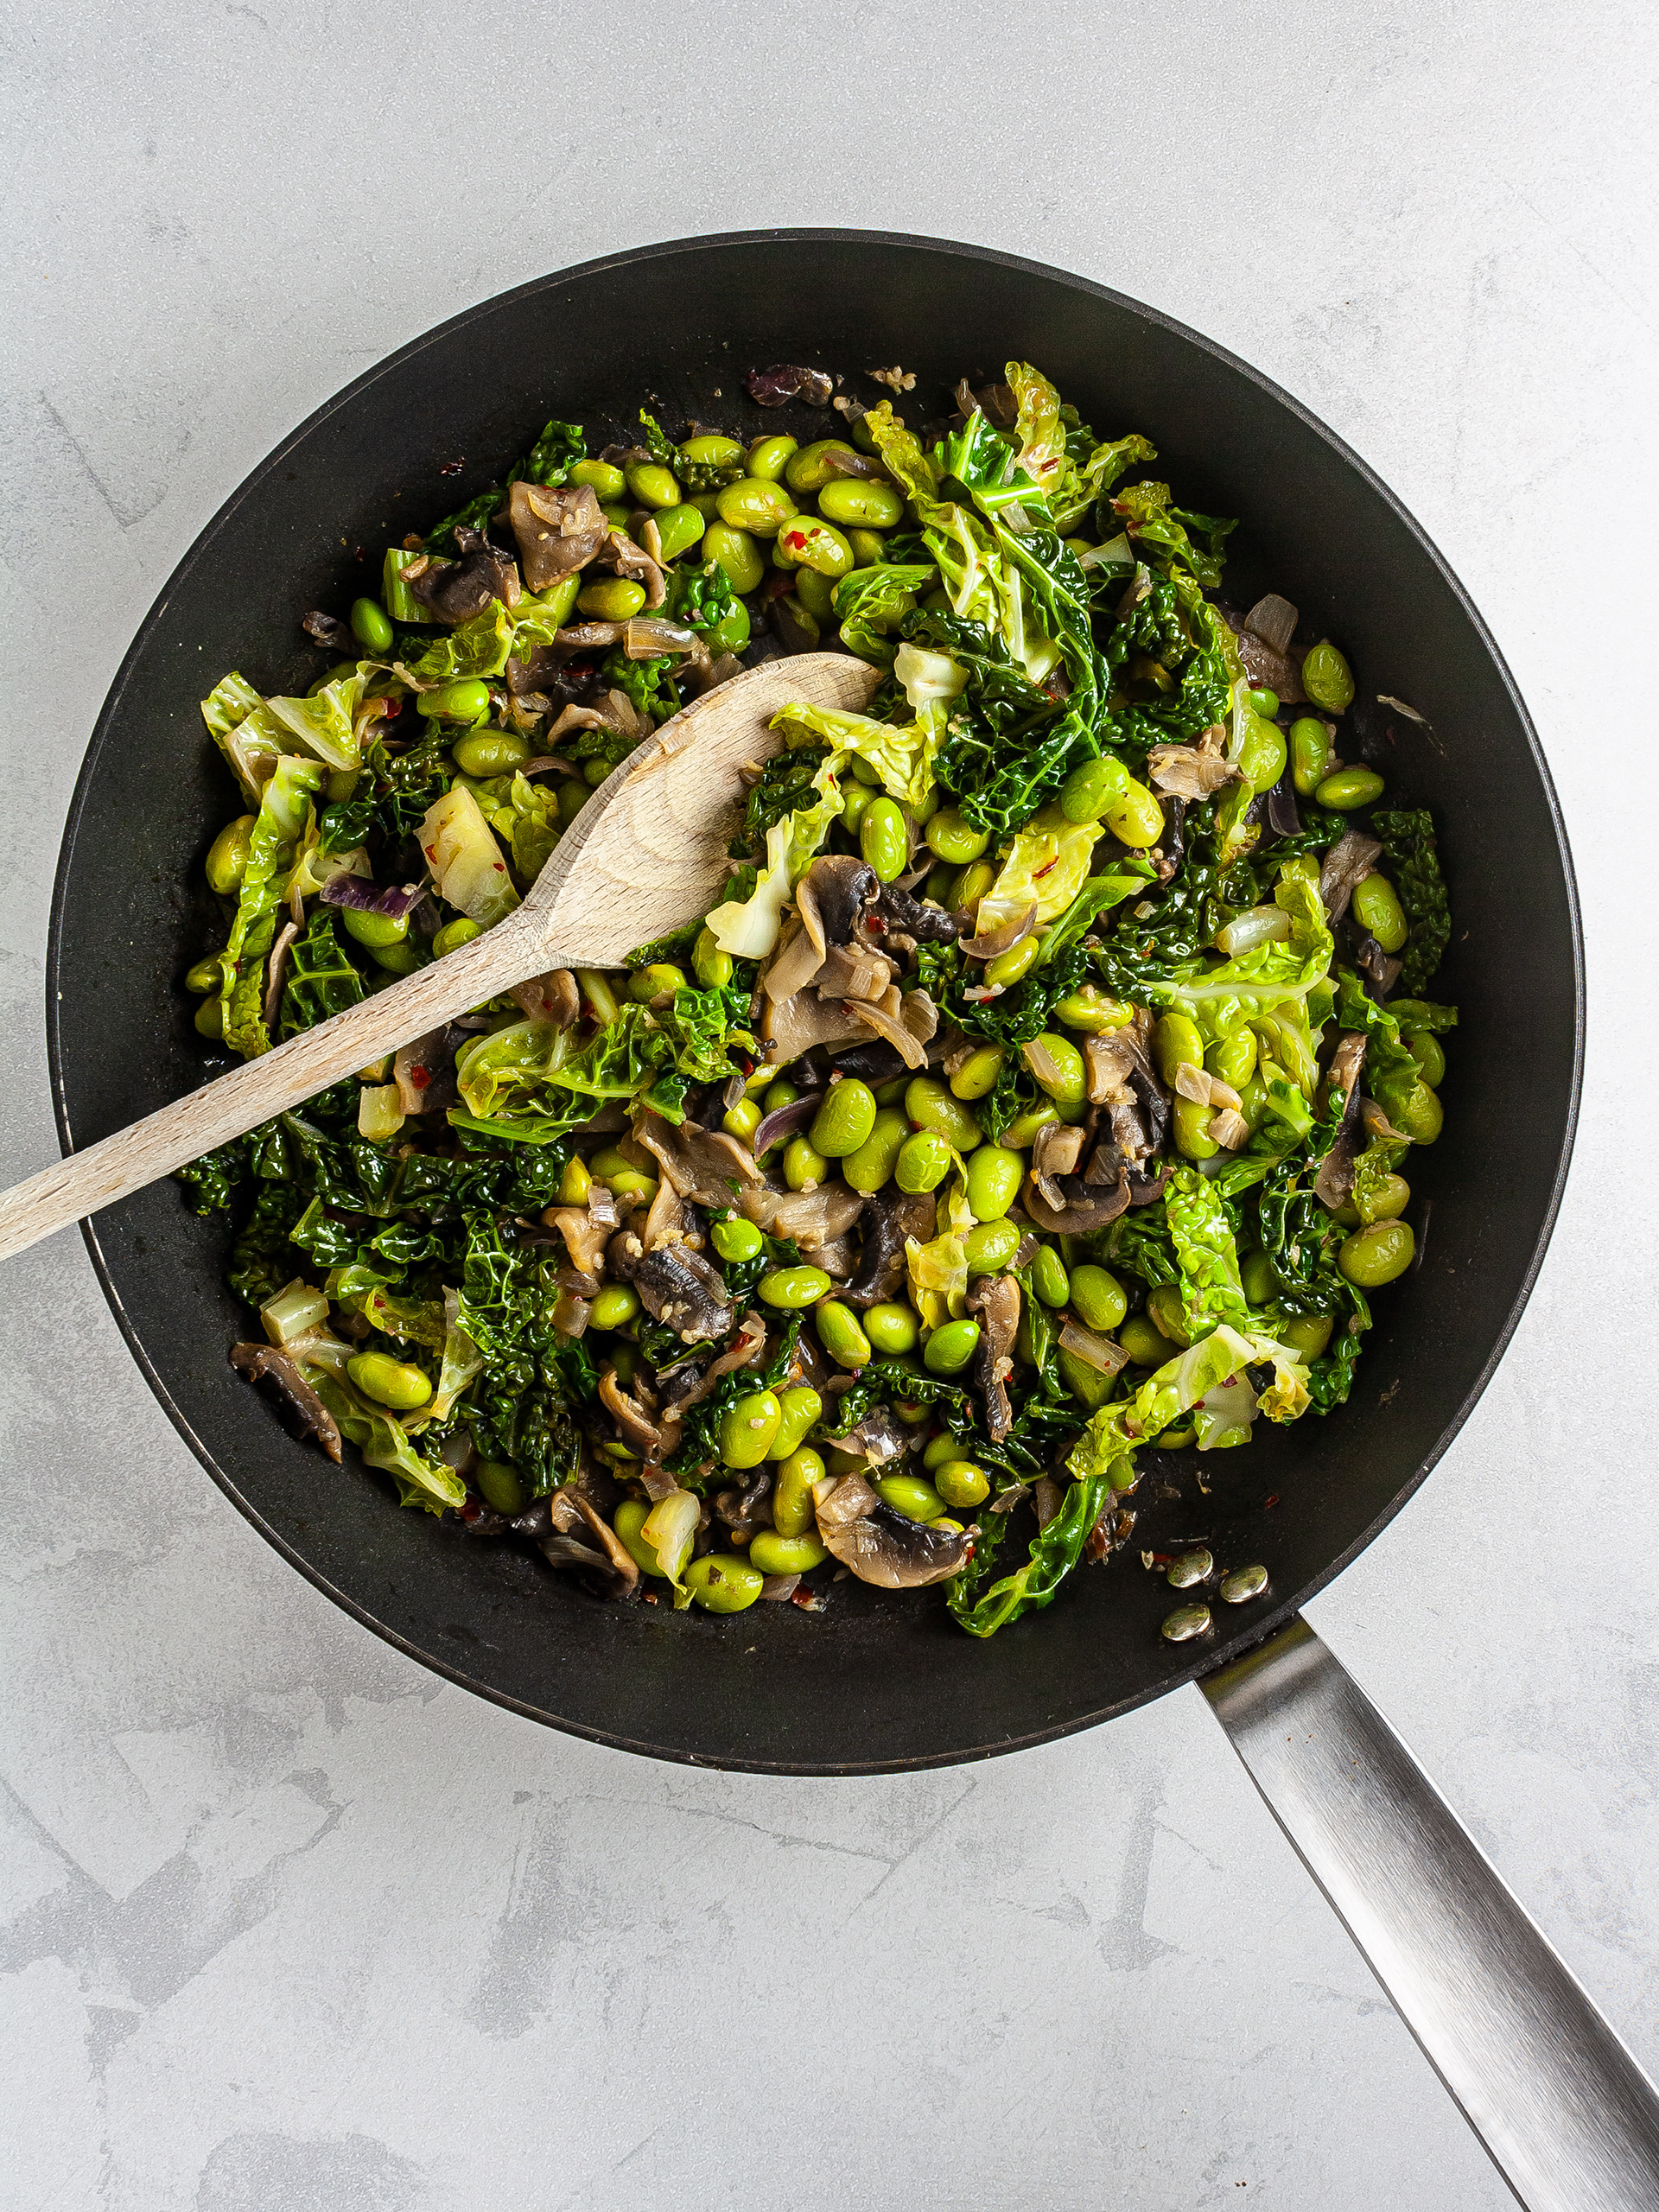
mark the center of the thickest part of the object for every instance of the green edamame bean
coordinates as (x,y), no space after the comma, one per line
(791,1492)
(1427,1050)
(653,484)
(573,795)
(1377,908)
(840,1334)
(1388,1201)
(1372,1256)
(922,1162)
(1261,1283)
(492,751)
(498,1486)
(883,839)
(866,503)
(388,1381)
(770,456)
(1261,758)
(1137,818)
(771,1554)
(737,554)
(205,976)
(806,542)
(629,1520)
(642,1189)
(378,932)
(210,1018)
(815,592)
(711,967)
(721,1583)
(870,1167)
(1092,788)
(747,1428)
(616,599)
(1192,1122)
(227,856)
(955,840)
(656,984)
(911,1495)
(995,1174)
(971,886)
(618,514)
(466,700)
(962,1482)
(930,1106)
(1097,1298)
(1086,1383)
(805,1166)
(608,1162)
(1307,1336)
(607,482)
(1091,1010)
(949,1350)
(678,528)
(801,1407)
(892,1328)
(1022,1133)
(1058,1067)
(1147,1345)
(845,1119)
(991,1246)
(710,450)
(1265,702)
(736,1239)
(1048,1278)
(371,626)
(789,1288)
(869,547)
(1348,788)
(939,1449)
(1233,1058)
(808,469)
(976,1076)
(760,508)
(617,1303)
(854,802)
(1008,967)
(1175,1039)
(453,935)
(1421,1116)
(1310,753)
(1327,679)
(1163,1310)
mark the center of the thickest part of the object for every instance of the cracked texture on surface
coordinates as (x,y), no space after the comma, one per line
(285,1924)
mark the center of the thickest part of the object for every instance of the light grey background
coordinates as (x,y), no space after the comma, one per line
(290,1925)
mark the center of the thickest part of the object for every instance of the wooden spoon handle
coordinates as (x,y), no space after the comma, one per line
(231,1104)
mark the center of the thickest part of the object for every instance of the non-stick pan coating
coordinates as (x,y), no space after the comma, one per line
(875,1681)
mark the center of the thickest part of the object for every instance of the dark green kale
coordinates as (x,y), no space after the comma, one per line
(785,783)
(1409,848)
(699,1442)
(553,456)
(649,684)
(701,598)
(212,1181)
(320,981)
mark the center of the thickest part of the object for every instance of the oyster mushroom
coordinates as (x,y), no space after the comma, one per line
(1334,1183)
(889,1217)
(455,591)
(586,1230)
(877,1439)
(632,1416)
(701,1164)
(1090,1200)
(620,552)
(557,531)
(829,901)
(996,1301)
(1348,862)
(919,920)
(679,1288)
(581,1538)
(812,1218)
(302,1411)
(883,1547)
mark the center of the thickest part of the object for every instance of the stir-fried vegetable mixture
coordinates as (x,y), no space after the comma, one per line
(1035,1095)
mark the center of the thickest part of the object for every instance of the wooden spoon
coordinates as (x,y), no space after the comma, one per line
(645,856)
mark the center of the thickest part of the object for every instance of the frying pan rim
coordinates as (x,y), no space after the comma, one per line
(80,807)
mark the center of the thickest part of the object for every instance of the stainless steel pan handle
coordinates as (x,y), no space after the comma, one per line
(1570,2120)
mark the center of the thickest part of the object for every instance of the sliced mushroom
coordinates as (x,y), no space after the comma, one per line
(679,1288)
(1088,1205)
(996,1301)
(620,552)
(456,591)
(889,1218)
(553,997)
(423,1073)
(1348,862)
(812,1218)
(701,1164)
(995,943)
(830,899)
(793,1026)
(1186,771)
(1266,668)
(605,1562)
(557,531)
(849,972)
(302,1411)
(907,1025)
(1057,1151)
(919,920)
(632,1416)
(747,1507)
(883,1548)
(586,1230)
(877,1439)
(745,1348)
(1334,1183)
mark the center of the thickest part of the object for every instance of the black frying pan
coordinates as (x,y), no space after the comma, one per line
(876,1683)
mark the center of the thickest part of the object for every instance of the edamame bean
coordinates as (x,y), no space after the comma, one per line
(930,1106)
(371,627)
(747,1428)
(1097,1298)
(627,1521)
(845,1119)
(883,839)
(808,469)
(653,484)
(723,1584)
(711,967)
(870,1167)
(1048,1277)
(466,700)
(498,1486)
(609,1162)
(617,1303)
(1175,1039)
(642,1189)
(923,1163)
(210,1018)
(806,542)
(737,554)
(805,1166)
(227,856)
(1163,1310)
(1377,908)
(995,1174)
(939,1449)
(791,1492)
(911,1495)
(770,456)
(891,1328)
(388,1381)
(771,1554)
(1092,788)
(1372,1256)
(955,840)
(977,1074)
(573,795)
(760,508)
(376,931)
(616,599)
(1137,818)
(1261,1283)
(1310,753)
(1421,1116)
(801,1407)
(840,1334)
(854,802)
(989,1247)
(1022,1133)
(1348,788)
(736,1239)
(949,1350)
(1192,1122)
(816,595)
(1307,1336)
(617,514)
(789,1288)
(1261,758)
(710,450)
(678,528)
(743,1120)
(1265,702)
(574,1183)
(607,482)
(205,976)
(962,1482)
(971,886)
(1327,679)
(1147,1345)
(1428,1051)
(1091,1010)
(492,751)
(1010,967)
(869,547)
(1058,1067)
(867,503)
(1086,1383)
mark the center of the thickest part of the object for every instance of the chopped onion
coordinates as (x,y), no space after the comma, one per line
(645,635)
(1260,925)
(1115,553)
(1098,1352)
(379,1111)
(1042,1064)
(669,1528)
(293,1312)
(1273,621)
(995,943)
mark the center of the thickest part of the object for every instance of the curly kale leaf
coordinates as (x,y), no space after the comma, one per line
(320,981)
(673,949)
(552,457)
(701,598)
(442,537)
(1409,846)
(1165,532)
(1055,1550)
(211,1180)
(785,784)
(649,684)
(693,476)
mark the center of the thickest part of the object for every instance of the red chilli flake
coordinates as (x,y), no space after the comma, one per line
(420,1078)
(1274,1500)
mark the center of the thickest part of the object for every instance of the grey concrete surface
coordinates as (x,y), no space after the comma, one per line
(290,1925)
